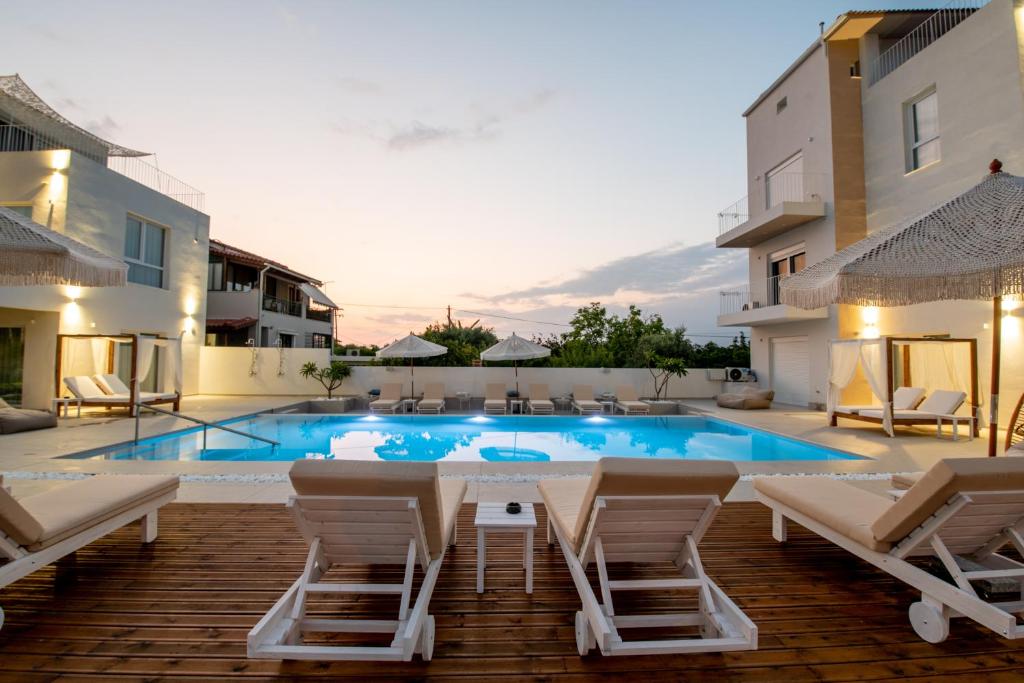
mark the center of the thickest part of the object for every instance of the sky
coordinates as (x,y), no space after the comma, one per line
(512,160)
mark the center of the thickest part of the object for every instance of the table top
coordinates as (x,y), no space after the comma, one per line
(494,515)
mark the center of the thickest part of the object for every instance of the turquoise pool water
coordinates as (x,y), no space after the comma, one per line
(473,439)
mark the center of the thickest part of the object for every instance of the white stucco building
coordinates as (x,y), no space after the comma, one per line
(110,198)
(885,115)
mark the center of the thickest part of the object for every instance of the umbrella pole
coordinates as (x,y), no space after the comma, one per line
(997,343)
(412,377)
(515,366)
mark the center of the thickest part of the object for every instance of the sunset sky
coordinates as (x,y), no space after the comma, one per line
(509,158)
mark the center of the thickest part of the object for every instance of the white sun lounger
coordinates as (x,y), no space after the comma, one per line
(494,399)
(86,390)
(941,405)
(390,398)
(645,511)
(38,530)
(962,508)
(540,400)
(629,403)
(365,513)
(433,399)
(904,398)
(583,400)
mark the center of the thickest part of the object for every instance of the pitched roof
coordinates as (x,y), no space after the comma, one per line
(242,256)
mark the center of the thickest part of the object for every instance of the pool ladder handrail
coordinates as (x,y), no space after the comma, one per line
(206,425)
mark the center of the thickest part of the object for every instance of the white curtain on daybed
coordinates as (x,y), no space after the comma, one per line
(942,365)
(844,358)
(90,356)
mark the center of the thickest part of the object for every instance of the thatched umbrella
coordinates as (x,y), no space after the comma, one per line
(971,247)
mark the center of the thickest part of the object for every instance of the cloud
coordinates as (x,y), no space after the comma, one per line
(359,86)
(418,134)
(104,127)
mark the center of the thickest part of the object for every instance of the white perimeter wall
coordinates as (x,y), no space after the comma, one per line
(225,370)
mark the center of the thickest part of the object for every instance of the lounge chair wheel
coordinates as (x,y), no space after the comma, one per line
(584,641)
(929,622)
(427,638)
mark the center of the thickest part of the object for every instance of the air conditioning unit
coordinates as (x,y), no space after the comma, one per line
(740,375)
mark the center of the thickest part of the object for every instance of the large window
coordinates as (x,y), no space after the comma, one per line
(241,278)
(923,146)
(215,275)
(144,252)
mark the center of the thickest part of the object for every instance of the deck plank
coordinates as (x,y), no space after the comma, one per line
(180,610)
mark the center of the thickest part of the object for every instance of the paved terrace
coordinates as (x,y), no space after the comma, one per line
(38,452)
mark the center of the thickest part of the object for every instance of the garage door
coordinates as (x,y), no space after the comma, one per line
(791,376)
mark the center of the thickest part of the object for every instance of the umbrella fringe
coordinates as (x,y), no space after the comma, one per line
(20,268)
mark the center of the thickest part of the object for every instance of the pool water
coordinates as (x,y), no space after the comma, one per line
(469,438)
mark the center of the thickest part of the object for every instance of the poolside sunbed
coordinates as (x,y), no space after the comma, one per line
(390,398)
(433,399)
(495,402)
(643,512)
(941,405)
(583,400)
(364,513)
(629,403)
(540,400)
(904,398)
(960,508)
(117,394)
(40,529)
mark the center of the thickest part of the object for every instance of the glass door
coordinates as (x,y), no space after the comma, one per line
(12,364)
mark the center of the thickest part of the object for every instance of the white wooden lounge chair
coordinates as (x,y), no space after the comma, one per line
(86,390)
(113,386)
(904,398)
(390,398)
(583,400)
(962,511)
(364,513)
(645,511)
(38,530)
(433,399)
(540,400)
(629,403)
(495,402)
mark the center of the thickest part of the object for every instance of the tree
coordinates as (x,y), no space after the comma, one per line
(662,370)
(330,376)
(464,342)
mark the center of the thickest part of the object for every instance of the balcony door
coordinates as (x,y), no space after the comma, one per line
(784,264)
(12,364)
(785,182)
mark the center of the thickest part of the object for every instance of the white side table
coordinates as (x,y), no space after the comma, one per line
(66,402)
(491,518)
(515,406)
(409,405)
(955,420)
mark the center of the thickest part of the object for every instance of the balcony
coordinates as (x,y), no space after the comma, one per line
(283,306)
(775,205)
(321,314)
(759,305)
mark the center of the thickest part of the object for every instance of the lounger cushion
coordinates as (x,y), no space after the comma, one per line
(943,402)
(83,387)
(433,391)
(391,392)
(62,512)
(907,398)
(562,498)
(906,479)
(539,392)
(365,478)
(901,414)
(842,507)
(383,404)
(853,410)
(430,404)
(938,485)
(634,406)
(14,420)
(541,404)
(111,384)
(627,394)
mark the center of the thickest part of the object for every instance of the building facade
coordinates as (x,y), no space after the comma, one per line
(884,116)
(252,300)
(109,198)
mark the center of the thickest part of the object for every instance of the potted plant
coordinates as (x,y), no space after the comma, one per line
(330,376)
(662,370)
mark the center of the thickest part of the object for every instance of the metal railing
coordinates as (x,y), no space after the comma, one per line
(923,35)
(17,138)
(767,192)
(285,306)
(763,294)
(321,314)
(206,425)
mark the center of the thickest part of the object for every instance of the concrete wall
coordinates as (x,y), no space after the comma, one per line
(40,339)
(226,371)
(90,203)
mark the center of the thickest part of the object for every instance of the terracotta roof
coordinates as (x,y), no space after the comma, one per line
(242,256)
(229,323)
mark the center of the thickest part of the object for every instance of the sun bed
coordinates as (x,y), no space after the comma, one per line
(941,405)
(645,512)
(961,511)
(86,390)
(583,400)
(629,403)
(494,399)
(113,386)
(904,398)
(14,420)
(364,513)
(540,400)
(40,529)
(390,398)
(433,399)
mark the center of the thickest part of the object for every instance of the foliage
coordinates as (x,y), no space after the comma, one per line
(464,342)
(343,349)
(662,370)
(330,376)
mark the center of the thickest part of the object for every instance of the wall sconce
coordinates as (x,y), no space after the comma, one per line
(869,314)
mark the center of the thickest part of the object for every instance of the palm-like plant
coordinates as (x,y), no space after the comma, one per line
(330,376)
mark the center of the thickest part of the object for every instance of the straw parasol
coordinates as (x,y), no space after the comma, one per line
(31,254)
(515,349)
(412,347)
(971,247)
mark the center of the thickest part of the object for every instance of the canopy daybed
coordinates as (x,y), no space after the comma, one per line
(85,368)
(920,372)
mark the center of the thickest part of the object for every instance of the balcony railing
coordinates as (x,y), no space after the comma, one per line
(923,35)
(321,314)
(770,192)
(765,293)
(14,138)
(284,306)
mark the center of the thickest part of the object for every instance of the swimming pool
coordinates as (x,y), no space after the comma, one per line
(468,438)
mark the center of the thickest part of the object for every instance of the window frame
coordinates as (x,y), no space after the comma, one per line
(18,207)
(912,144)
(140,261)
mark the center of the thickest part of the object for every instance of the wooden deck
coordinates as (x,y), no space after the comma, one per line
(181,609)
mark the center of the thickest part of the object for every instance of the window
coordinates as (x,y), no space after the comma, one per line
(781,105)
(24,209)
(782,264)
(785,182)
(922,116)
(855,69)
(144,252)
(12,364)
(241,278)
(286,341)
(318,340)
(215,275)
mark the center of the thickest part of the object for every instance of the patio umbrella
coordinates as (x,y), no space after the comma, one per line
(31,254)
(412,347)
(971,247)
(515,349)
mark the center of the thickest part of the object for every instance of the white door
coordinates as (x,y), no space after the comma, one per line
(790,370)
